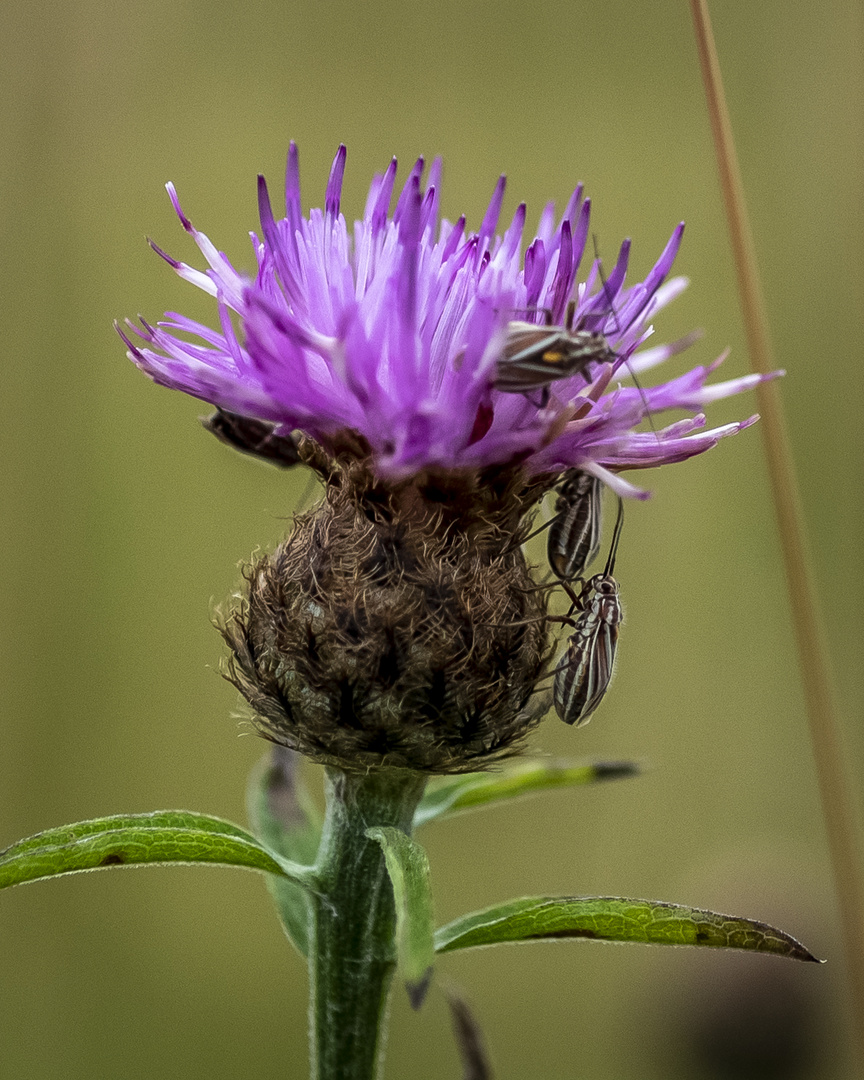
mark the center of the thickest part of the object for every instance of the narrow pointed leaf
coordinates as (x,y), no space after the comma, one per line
(479,789)
(164,836)
(408,868)
(610,918)
(469,1039)
(285,818)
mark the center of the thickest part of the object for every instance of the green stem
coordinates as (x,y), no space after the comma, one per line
(352,951)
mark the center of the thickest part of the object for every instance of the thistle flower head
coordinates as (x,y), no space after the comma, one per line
(394,333)
(398,623)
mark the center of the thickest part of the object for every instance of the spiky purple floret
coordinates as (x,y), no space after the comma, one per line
(395,332)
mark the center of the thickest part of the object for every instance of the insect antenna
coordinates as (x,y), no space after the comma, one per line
(610,301)
(547,313)
(565,620)
(616,536)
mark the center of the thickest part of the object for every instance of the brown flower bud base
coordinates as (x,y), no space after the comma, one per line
(397,626)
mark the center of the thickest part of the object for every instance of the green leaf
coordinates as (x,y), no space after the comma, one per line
(478,789)
(611,918)
(408,868)
(285,818)
(164,836)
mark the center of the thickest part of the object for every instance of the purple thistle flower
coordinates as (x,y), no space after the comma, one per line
(395,333)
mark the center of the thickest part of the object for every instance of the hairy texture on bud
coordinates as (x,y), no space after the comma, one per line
(397,626)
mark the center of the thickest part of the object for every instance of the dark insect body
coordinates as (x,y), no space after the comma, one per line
(585,670)
(536,356)
(583,673)
(255,437)
(574,532)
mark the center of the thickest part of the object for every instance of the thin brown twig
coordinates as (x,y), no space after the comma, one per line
(837,805)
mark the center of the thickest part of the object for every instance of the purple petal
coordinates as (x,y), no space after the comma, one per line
(580,234)
(428,212)
(274,243)
(333,196)
(433,184)
(649,358)
(663,265)
(293,209)
(454,239)
(546,225)
(409,237)
(385,194)
(490,219)
(407,191)
(171,262)
(563,282)
(175,202)
(535,272)
(513,236)
(614,481)
(573,206)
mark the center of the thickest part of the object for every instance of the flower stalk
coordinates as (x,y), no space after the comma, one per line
(352,933)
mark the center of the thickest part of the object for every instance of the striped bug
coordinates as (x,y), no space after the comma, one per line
(255,437)
(583,673)
(536,356)
(574,532)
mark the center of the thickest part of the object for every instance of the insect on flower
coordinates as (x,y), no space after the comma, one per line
(574,532)
(255,437)
(583,673)
(536,356)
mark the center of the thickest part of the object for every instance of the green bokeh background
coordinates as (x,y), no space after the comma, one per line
(122,522)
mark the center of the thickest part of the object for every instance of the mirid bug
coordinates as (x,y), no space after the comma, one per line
(583,673)
(255,437)
(536,356)
(574,532)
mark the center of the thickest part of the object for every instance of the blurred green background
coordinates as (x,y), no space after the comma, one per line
(123,522)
